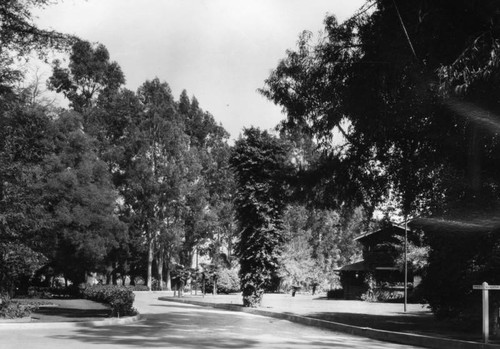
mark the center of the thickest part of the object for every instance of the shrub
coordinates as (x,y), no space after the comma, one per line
(12,310)
(227,282)
(155,285)
(120,298)
(383,295)
(335,294)
(137,288)
(52,292)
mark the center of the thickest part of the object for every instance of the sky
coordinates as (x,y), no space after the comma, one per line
(220,51)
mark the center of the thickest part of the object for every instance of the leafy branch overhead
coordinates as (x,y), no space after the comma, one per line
(374,91)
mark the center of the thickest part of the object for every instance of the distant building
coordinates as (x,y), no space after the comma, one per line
(378,268)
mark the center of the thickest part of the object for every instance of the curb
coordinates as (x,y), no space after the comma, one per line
(388,336)
(48,325)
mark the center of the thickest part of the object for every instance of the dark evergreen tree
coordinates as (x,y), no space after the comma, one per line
(261,165)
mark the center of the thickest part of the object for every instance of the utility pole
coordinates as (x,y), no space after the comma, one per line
(406,263)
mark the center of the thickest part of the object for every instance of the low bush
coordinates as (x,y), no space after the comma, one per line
(155,285)
(227,282)
(12,310)
(384,295)
(120,298)
(337,293)
(137,288)
(71,291)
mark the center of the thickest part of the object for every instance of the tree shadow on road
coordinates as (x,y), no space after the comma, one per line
(177,329)
(402,322)
(201,328)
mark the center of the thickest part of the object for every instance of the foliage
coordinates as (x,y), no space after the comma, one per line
(19,36)
(159,171)
(404,139)
(79,202)
(297,267)
(18,32)
(459,258)
(90,73)
(123,182)
(55,196)
(318,241)
(138,288)
(12,310)
(337,293)
(383,295)
(19,263)
(423,134)
(57,291)
(227,281)
(120,298)
(23,143)
(260,163)
(23,148)
(417,255)
(209,220)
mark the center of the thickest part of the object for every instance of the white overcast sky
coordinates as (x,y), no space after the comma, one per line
(218,50)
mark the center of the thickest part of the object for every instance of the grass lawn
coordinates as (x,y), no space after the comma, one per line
(385,316)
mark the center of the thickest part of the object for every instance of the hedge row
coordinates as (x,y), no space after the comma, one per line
(120,298)
(138,288)
(337,293)
(12,310)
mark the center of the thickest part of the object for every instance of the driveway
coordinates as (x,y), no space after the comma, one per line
(174,325)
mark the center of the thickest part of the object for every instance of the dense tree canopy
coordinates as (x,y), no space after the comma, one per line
(123,183)
(397,59)
(401,100)
(395,105)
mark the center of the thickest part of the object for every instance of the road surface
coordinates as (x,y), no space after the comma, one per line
(174,325)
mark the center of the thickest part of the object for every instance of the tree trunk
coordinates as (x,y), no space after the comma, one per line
(160,269)
(150,265)
(229,248)
(168,286)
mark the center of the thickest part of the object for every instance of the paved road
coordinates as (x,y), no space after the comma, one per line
(173,325)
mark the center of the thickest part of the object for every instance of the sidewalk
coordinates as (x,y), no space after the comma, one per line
(376,320)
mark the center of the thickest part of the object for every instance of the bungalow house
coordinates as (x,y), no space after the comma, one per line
(378,268)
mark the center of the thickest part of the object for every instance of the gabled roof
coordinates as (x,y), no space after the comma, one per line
(394,228)
(358,266)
